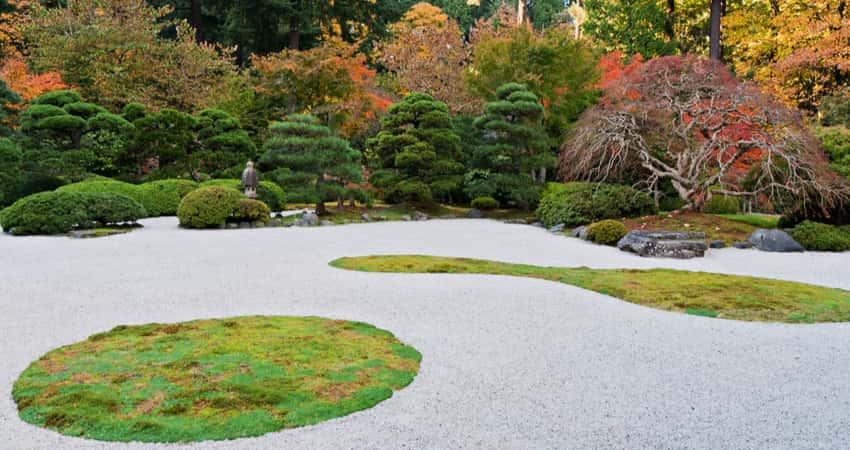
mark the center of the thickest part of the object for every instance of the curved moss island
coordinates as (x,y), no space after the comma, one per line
(213,379)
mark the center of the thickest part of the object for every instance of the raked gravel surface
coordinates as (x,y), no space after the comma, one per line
(509,363)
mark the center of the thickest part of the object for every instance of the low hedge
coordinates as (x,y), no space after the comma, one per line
(484,203)
(163,197)
(821,237)
(208,207)
(267,192)
(247,210)
(579,203)
(106,185)
(60,212)
(606,232)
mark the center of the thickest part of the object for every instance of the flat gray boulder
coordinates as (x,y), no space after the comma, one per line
(307,220)
(579,232)
(774,241)
(475,213)
(664,244)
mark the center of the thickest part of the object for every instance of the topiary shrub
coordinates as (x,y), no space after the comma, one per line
(722,204)
(578,203)
(105,185)
(108,208)
(247,210)
(163,197)
(207,207)
(60,212)
(606,232)
(821,237)
(484,203)
(267,192)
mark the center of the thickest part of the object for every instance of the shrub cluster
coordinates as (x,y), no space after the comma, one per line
(721,204)
(208,207)
(484,203)
(606,232)
(247,210)
(160,198)
(60,212)
(821,237)
(578,203)
(267,192)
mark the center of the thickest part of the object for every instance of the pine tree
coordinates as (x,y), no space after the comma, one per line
(511,164)
(417,154)
(310,162)
(6,98)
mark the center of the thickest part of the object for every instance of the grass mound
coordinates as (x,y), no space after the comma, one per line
(213,379)
(706,294)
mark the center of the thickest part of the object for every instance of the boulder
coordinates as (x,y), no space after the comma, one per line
(475,213)
(579,232)
(307,220)
(326,223)
(418,215)
(717,243)
(246,225)
(664,244)
(366,217)
(774,241)
(406,218)
(742,245)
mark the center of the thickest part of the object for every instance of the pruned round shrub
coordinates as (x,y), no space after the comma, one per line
(606,232)
(579,203)
(484,203)
(207,207)
(60,212)
(108,208)
(163,197)
(722,204)
(821,237)
(247,210)
(106,185)
(267,192)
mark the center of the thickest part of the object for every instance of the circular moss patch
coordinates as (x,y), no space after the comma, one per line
(213,379)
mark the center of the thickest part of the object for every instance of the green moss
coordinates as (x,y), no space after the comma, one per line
(213,379)
(707,294)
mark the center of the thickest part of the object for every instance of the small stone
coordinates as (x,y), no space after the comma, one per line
(559,228)
(366,217)
(307,220)
(742,245)
(579,232)
(418,215)
(244,225)
(406,218)
(475,213)
(232,225)
(717,243)
(537,224)
(274,223)
(326,223)
(259,224)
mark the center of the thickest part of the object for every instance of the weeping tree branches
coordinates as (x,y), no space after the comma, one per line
(689,122)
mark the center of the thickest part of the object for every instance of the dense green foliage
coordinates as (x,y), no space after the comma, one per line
(511,163)
(162,197)
(305,158)
(268,192)
(416,155)
(248,210)
(631,26)
(821,237)
(722,204)
(606,232)
(207,207)
(60,212)
(726,296)
(484,203)
(213,379)
(538,61)
(579,203)
(836,143)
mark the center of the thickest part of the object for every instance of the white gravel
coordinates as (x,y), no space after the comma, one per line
(508,362)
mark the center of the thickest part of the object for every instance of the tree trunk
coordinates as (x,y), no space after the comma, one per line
(320,208)
(520,12)
(715,51)
(294,32)
(542,177)
(774,6)
(671,12)
(340,202)
(195,19)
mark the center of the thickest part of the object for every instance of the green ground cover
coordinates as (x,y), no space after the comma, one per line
(213,379)
(705,294)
